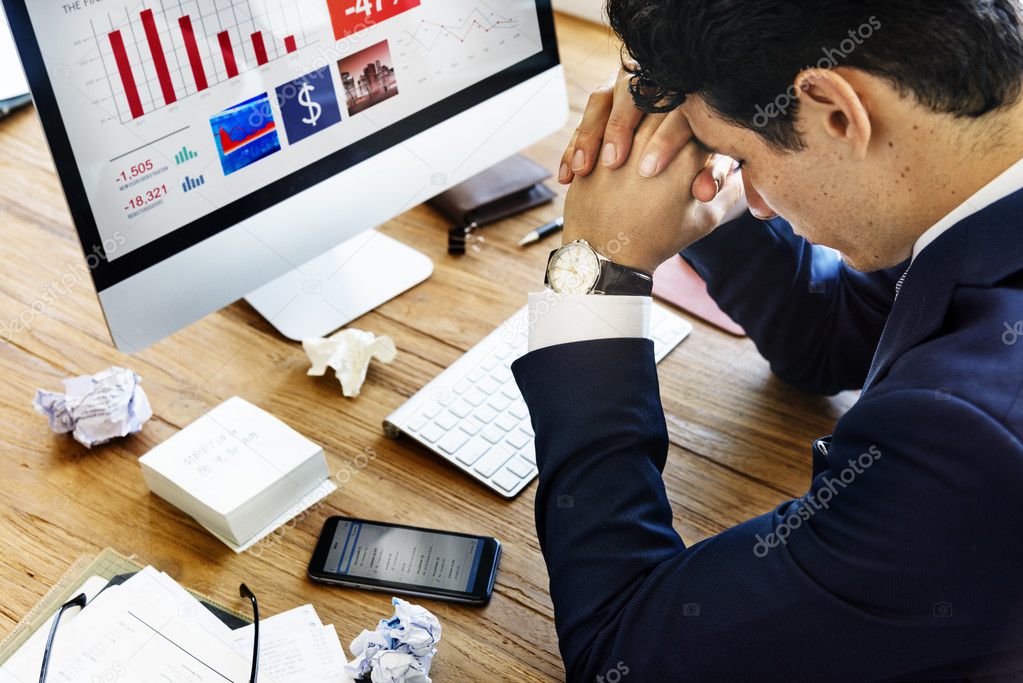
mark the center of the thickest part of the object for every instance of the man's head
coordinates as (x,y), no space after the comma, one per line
(861,122)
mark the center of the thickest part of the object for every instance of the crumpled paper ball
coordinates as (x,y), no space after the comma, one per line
(400,650)
(96,408)
(349,353)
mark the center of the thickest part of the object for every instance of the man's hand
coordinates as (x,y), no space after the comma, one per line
(605,137)
(642,222)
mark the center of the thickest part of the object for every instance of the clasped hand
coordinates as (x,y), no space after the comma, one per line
(641,188)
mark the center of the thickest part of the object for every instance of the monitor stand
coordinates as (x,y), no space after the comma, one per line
(336,288)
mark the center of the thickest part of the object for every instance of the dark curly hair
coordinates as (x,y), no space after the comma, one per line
(962,57)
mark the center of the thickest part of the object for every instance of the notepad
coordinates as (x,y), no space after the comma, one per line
(239,471)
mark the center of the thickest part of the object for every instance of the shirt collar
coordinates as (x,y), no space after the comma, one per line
(998,189)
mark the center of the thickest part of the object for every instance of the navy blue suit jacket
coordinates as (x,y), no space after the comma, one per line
(904,559)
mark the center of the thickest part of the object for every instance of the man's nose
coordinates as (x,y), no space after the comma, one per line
(757,206)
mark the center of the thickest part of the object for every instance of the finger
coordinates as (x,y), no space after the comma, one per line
(565,175)
(711,179)
(591,130)
(621,127)
(670,137)
(727,200)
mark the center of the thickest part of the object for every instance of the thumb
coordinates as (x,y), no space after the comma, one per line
(730,200)
(712,179)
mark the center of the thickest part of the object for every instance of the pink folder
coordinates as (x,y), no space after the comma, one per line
(678,284)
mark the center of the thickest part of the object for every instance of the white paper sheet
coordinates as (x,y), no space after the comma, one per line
(126,635)
(31,653)
(295,647)
(12,78)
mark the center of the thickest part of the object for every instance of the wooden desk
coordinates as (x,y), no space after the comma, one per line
(740,438)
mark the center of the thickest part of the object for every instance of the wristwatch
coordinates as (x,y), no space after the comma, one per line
(577,268)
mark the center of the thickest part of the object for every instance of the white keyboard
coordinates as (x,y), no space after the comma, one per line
(473,416)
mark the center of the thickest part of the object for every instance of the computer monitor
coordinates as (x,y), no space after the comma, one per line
(216,149)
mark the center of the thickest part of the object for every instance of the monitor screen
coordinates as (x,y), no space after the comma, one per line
(171,120)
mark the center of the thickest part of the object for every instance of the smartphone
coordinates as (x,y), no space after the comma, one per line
(393,558)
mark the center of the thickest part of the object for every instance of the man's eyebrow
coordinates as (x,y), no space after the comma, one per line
(704,147)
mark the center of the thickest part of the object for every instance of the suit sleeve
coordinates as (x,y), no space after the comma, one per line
(854,581)
(813,318)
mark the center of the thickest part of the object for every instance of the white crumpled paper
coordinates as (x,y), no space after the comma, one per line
(96,408)
(349,353)
(400,650)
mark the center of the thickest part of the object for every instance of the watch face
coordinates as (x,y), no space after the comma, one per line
(574,269)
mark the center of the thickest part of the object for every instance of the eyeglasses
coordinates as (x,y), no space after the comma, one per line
(80,600)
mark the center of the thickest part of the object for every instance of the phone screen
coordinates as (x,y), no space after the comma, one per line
(365,550)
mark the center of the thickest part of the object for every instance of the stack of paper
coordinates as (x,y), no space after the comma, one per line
(296,646)
(150,629)
(239,471)
(147,629)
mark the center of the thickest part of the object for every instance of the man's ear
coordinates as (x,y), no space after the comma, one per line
(827,99)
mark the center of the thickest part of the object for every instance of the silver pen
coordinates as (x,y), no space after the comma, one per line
(554,226)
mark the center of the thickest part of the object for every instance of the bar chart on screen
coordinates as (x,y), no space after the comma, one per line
(176,107)
(160,52)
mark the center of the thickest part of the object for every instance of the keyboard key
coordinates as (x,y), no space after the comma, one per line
(507,421)
(431,432)
(471,425)
(529,452)
(503,351)
(442,395)
(471,452)
(446,420)
(475,397)
(452,441)
(488,385)
(485,414)
(511,391)
(461,408)
(492,461)
(502,374)
(492,433)
(519,410)
(417,423)
(528,429)
(507,480)
(520,467)
(431,410)
(475,376)
(462,387)
(490,363)
(499,403)
(518,439)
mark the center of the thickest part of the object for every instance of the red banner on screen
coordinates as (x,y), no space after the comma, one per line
(351,16)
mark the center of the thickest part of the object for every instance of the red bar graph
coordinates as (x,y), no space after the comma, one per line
(131,91)
(259,48)
(159,60)
(192,50)
(228,51)
(289,44)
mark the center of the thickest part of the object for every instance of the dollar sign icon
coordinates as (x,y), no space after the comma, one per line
(305,98)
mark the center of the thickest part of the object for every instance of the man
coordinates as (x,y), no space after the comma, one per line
(891,132)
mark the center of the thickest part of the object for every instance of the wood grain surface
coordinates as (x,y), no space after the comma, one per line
(739,437)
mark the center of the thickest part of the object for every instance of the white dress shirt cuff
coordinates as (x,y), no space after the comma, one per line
(566,318)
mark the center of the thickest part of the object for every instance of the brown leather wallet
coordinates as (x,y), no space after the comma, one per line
(512,186)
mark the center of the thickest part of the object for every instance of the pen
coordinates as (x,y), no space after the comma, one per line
(554,226)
